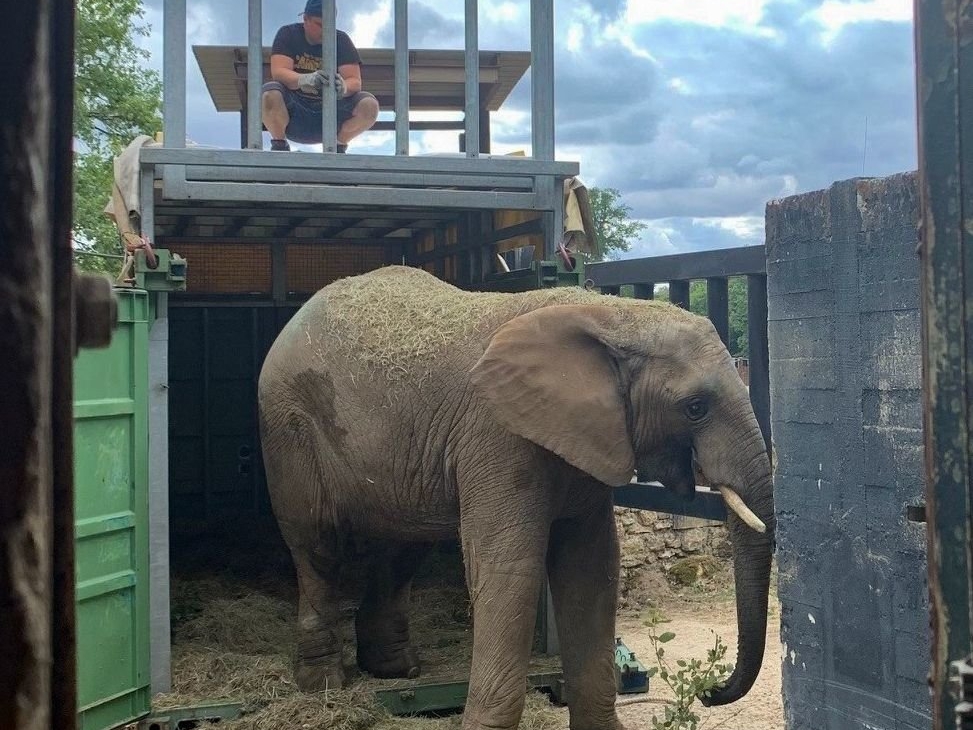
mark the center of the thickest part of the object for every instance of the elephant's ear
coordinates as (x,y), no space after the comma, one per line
(550,377)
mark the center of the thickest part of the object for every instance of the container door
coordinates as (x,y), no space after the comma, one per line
(111,522)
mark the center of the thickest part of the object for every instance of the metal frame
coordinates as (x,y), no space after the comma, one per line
(542,76)
(472,114)
(254,75)
(402,77)
(944,59)
(329,64)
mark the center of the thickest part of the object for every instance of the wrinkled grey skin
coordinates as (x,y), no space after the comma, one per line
(511,431)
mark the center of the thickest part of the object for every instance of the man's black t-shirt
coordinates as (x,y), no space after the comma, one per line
(291,41)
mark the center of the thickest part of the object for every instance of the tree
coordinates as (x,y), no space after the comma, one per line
(737,305)
(614,230)
(116,99)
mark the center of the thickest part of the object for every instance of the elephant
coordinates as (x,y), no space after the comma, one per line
(396,407)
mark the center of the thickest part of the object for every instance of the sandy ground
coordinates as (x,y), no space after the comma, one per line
(693,624)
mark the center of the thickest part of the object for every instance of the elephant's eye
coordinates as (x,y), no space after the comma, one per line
(696,409)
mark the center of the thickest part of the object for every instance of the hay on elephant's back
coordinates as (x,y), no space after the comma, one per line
(396,319)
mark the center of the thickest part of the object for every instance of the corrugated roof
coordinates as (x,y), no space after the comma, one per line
(437,77)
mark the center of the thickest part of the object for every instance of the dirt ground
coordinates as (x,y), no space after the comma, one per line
(694,622)
(233,639)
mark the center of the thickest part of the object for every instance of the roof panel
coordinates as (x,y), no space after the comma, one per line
(437,76)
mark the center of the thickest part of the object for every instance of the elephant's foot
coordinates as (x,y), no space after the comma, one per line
(318,664)
(318,677)
(389,664)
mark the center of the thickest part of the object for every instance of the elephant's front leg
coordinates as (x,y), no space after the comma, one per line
(583,564)
(504,541)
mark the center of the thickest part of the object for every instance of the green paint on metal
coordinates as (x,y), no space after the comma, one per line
(184,718)
(414,699)
(111,521)
(630,676)
(168,275)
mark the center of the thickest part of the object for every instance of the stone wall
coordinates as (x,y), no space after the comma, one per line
(846,404)
(652,543)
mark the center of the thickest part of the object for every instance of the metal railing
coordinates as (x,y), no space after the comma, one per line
(542,76)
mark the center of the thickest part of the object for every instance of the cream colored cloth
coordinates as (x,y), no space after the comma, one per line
(123,207)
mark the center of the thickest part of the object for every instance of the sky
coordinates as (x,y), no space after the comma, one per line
(699,112)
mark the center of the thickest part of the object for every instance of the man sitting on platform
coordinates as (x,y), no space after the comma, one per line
(291,103)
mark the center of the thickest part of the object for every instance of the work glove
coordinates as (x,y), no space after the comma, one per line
(309,83)
(339,83)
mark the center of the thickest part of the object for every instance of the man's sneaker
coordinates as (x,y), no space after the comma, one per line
(280,145)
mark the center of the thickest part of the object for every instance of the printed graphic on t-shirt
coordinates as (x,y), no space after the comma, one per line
(306,63)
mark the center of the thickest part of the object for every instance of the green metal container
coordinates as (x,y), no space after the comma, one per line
(111,521)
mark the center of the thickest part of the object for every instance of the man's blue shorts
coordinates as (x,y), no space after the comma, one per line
(305,114)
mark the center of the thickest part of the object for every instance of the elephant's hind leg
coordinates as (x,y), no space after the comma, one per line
(319,641)
(382,620)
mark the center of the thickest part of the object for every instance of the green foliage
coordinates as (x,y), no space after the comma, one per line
(688,680)
(116,99)
(614,230)
(737,296)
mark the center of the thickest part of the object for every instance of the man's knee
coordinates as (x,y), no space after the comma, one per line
(367,107)
(272,94)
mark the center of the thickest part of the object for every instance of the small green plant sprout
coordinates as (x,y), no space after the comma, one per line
(687,680)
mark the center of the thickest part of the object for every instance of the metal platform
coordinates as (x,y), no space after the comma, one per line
(257,196)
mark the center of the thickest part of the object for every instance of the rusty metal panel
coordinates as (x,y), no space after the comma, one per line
(944,58)
(226,267)
(311,267)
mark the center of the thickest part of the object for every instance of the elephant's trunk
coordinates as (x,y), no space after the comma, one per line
(752,555)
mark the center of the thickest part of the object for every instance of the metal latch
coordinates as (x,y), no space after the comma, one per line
(630,675)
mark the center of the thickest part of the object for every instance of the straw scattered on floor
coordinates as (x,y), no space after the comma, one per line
(232,643)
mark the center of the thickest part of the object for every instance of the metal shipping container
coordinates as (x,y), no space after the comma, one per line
(111,521)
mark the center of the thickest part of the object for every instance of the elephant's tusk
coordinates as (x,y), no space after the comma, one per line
(735,503)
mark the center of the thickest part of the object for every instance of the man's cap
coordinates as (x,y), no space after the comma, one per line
(313,8)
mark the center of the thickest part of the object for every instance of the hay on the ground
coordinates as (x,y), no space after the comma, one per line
(234,644)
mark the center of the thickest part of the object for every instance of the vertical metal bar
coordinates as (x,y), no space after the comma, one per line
(329,117)
(255,74)
(174,73)
(159,619)
(945,123)
(759,354)
(439,247)
(207,445)
(402,77)
(484,123)
(542,78)
(718,306)
(488,255)
(278,273)
(158,397)
(645,291)
(255,425)
(679,293)
(472,115)
(244,122)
